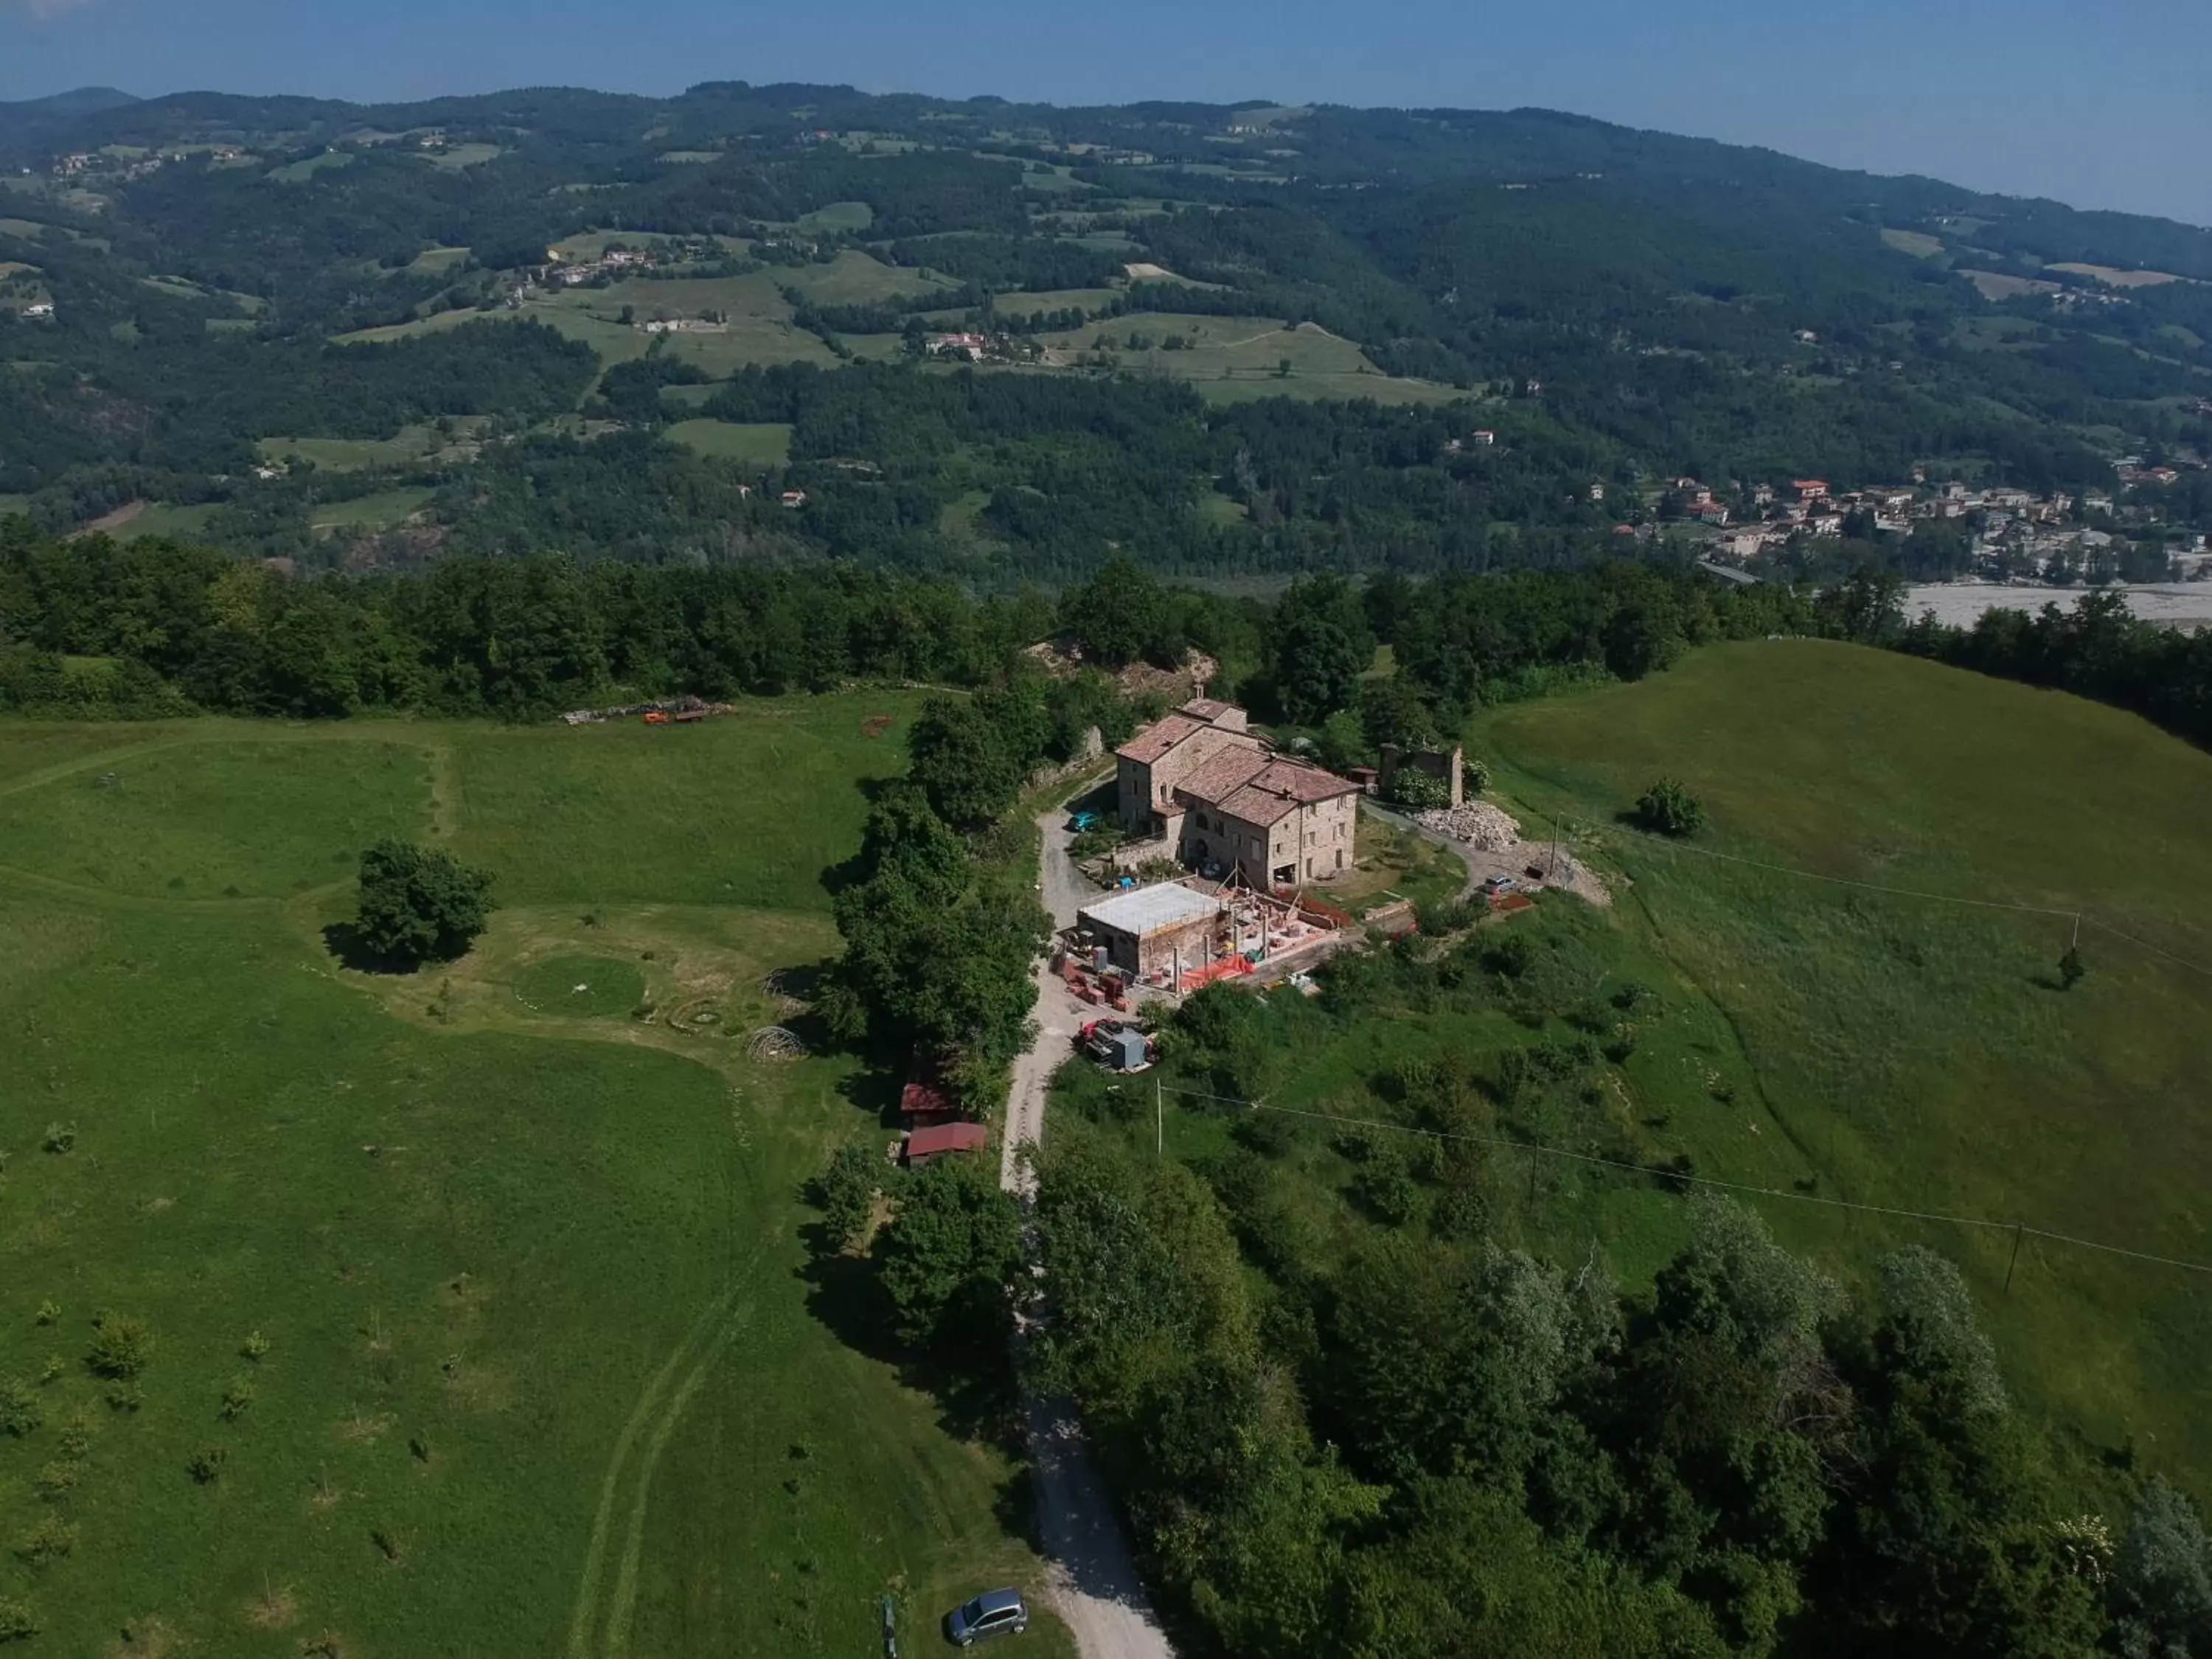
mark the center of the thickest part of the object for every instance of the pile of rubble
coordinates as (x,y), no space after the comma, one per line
(1476,823)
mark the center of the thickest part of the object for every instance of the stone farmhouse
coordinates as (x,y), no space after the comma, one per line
(1200,780)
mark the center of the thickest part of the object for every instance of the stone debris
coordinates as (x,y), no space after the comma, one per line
(1476,823)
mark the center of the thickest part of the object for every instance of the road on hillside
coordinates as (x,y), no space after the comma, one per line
(1094,1585)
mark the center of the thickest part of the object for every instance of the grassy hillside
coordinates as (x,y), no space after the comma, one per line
(1918,1053)
(479,1297)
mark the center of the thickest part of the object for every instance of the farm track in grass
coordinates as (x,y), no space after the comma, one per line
(713,1331)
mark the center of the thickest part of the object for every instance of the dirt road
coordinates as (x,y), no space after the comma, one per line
(1094,1583)
(1513,860)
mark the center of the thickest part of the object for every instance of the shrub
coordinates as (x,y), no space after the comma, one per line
(1463,1213)
(49,1542)
(254,1347)
(75,1438)
(49,1312)
(17,1622)
(1418,791)
(237,1397)
(1384,1187)
(121,1346)
(57,1478)
(1667,809)
(205,1465)
(60,1138)
(18,1407)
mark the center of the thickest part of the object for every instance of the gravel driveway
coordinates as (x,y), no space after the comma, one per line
(1094,1586)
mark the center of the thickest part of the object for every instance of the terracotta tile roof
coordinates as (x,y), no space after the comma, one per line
(1208,709)
(1260,806)
(1220,776)
(1303,782)
(1260,788)
(1155,740)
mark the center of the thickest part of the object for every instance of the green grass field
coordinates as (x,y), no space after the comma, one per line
(353,454)
(168,518)
(757,326)
(768,445)
(457,157)
(1232,359)
(480,1303)
(1914,1053)
(381,511)
(839,217)
(300,172)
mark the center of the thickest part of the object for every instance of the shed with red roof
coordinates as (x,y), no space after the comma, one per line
(939,1139)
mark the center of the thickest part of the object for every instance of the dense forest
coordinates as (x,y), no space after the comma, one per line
(186,283)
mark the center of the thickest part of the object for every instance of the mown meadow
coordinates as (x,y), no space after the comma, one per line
(466,1312)
(1918,1052)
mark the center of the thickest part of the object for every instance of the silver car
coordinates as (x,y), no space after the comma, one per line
(994,1613)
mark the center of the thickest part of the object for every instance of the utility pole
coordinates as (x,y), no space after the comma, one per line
(2017,1228)
(2075,943)
(1159,1119)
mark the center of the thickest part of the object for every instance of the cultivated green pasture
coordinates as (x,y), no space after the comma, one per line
(193,819)
(381,511)
(1917,1054)
(352,455)
(743,805)
(165,519)
(479,1305)
(766,444)
(1235,358)
(439,260)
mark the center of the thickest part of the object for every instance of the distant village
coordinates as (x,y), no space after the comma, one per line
(2009,533)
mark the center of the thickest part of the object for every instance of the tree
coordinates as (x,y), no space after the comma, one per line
(845,1191)
(1117,615)
(962,762)
(419,903)
(2163,1582)
(1667,809)
(948,1254)
(1392,709)
(1322,646)
(1343,742)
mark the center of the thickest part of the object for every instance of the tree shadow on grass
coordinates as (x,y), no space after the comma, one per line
(874,1089)
(343,940)
(977,1402)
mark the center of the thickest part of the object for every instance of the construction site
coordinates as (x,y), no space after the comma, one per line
(1177,936)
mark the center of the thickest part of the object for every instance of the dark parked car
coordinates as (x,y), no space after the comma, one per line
(994,1613)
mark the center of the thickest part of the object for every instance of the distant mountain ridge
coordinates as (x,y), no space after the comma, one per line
(1522,143)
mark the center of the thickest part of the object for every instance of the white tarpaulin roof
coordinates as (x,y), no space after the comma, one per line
(1151,909)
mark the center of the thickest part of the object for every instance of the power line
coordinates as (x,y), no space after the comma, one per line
(2081,918)
(1713,1182)
(1846,881)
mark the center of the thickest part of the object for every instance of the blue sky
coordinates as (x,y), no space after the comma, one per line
(2102,103)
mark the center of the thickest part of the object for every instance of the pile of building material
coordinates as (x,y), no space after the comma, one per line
(1476,823)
